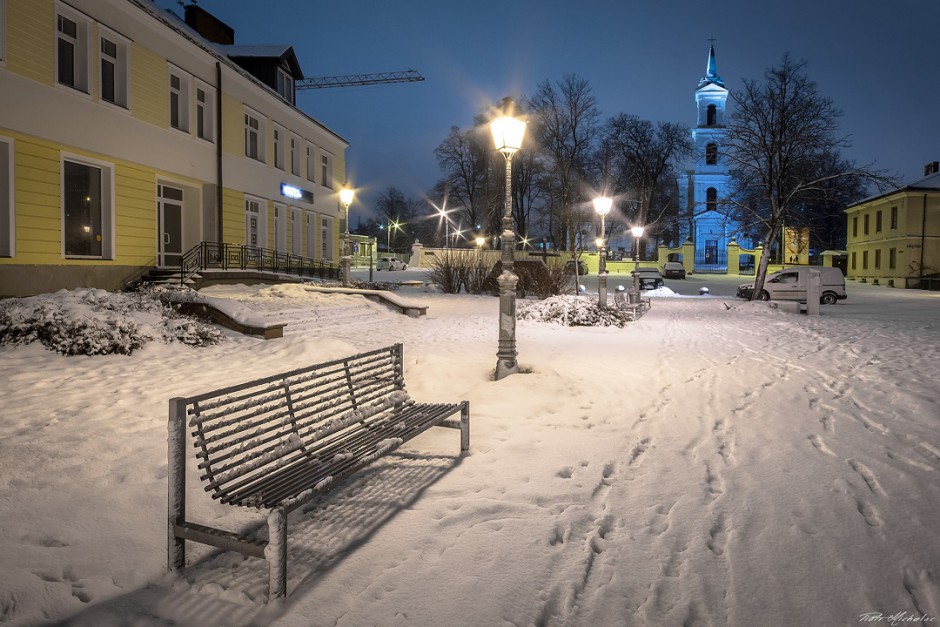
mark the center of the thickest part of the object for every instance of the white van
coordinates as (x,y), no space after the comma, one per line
(790,284)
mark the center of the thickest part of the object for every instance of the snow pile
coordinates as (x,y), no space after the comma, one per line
(572,311)
(95,322)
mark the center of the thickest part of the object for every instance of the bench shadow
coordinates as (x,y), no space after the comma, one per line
(226,588)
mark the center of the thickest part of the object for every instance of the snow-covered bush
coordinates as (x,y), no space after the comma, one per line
(451,269)
(375,285)
(95,322)
(572,311)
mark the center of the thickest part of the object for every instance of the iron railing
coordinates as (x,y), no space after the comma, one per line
(213,255)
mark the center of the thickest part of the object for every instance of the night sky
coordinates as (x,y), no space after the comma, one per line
(879,61)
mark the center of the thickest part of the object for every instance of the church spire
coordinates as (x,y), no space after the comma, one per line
(711,70)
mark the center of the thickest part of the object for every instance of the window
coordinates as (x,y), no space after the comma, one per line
(72,50)
(864,260)
(878,221)
(711,199)
(326,170)
(326,239)
(853,260)
(854,226)
(877,259)
(179,100)
(295,156)
(205,112)
(278,148)
(892,258)
(711,154)
(311,164)
(255,213)
(87,213)
(894,218)
(254,136)
(711,115)
(285,85)
(113,75)
(3,29)
(7,214)
(865,224)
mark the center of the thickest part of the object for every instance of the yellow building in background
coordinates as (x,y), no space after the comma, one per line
(128,136)
(894,238)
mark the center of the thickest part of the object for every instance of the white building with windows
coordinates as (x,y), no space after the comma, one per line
(702,188)
(128,136)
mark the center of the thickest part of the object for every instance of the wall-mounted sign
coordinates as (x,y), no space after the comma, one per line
(295,193)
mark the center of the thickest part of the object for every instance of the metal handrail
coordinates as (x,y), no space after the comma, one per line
(208,255)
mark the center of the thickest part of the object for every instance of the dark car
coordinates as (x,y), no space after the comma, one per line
(582,267)
(649,278)
(674,270)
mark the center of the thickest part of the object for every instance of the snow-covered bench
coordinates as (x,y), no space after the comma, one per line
(636,309)
(277,442)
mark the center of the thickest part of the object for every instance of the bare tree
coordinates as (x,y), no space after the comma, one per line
(464,159)
(566,128)
(781,133)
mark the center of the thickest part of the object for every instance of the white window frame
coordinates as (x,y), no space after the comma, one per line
(107,204)
(280,136)
(326,169)
(294,155)
(285,85)
(7,200)
(121,67)
(183,92)
(205,112)
(311,163)
(258,132)
(81,44)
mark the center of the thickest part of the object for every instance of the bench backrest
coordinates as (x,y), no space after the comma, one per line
(243,433)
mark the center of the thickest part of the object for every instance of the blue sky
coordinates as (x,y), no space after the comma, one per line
(877,60)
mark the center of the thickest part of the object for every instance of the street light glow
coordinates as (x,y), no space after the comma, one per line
(346,196)
(637,231)
(602,205)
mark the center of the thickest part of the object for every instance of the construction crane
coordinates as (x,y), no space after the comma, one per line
(353,80)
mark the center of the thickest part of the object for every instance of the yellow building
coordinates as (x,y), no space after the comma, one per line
(894,238)
(127,138)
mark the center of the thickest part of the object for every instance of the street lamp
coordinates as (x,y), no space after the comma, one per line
(637,234)
(346,197)
(388,233)
(507,137)
(602,206)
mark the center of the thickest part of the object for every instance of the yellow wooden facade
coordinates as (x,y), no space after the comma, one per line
(44,123)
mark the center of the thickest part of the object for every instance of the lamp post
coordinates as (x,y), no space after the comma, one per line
(507,136)
(637,234)
(346,197)
(602,206)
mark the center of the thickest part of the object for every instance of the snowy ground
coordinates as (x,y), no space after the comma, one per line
(714,463)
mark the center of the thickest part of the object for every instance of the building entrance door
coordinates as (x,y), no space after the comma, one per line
(170,212)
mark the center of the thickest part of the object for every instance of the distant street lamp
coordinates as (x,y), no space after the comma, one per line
(507,137)
(637,234)
(388,233)
(480,240)
(602,206)
(346,197)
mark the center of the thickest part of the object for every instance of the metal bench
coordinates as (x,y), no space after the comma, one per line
(276,443)
(636,309)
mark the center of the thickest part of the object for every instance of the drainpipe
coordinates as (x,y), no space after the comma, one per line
(923,237)
(218,147)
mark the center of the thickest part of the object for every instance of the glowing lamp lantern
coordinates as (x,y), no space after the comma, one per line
(602,205)
(507,134)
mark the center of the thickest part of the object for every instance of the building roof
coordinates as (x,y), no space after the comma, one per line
(711,71)
(929,183)
(273,51)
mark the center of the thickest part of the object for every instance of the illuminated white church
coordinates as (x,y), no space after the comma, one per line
(702,188)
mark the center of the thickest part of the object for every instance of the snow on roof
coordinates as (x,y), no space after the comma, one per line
(927,183)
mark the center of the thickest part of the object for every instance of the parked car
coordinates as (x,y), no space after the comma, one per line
(790,284)
(649,278)
(582,267)
(673,270)
(391,263)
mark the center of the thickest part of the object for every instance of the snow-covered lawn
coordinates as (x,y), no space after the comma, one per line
(714,463)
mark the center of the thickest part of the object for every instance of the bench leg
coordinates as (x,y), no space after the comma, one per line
(276,554)
(465,427)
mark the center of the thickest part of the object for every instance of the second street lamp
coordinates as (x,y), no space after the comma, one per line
(602,206)
(346,197)
(637,234)
(507,136)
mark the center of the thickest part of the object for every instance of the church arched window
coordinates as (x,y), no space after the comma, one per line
(711,115)
(711,199)
(711,154)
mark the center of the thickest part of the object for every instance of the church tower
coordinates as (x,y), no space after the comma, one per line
(703,187)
